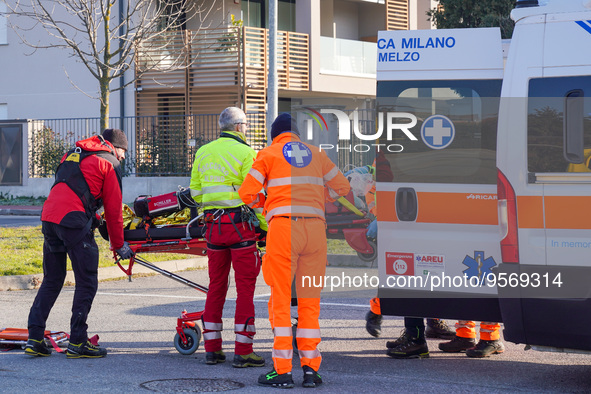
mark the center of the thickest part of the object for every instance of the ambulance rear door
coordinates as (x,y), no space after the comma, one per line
(438,235)
(544,155)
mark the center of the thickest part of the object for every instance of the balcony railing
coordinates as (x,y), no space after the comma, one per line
(348,57)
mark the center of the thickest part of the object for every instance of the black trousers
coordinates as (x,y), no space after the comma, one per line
(59,242)
(415,326)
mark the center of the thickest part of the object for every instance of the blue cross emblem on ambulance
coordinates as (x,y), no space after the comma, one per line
(438,132)
(297,154)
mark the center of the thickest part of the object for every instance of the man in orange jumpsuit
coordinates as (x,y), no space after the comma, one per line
(295,176)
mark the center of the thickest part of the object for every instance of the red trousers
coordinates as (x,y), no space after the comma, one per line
(231,245)
(295,248)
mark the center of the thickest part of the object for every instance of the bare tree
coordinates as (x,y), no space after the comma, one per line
(104,34)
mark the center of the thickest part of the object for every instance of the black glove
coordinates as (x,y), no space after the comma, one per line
(125,251)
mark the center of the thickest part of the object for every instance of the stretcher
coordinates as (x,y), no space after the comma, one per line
(345,221)
(11,338)
(171,239)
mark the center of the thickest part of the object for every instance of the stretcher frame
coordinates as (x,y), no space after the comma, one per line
(188,333)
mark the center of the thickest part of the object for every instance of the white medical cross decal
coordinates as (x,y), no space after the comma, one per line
(437,131)
(298,153)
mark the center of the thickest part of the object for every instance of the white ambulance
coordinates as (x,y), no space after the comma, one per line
(449,245)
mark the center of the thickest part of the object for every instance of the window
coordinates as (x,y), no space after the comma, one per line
(3,24)
(254,14)
(174,16)
(472,107)
(3,111)
(559,124)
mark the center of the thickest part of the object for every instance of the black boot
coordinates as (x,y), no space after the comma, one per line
(373,324)
(311,378)
(409,347)
(486,348)
(273,379)
(458,344)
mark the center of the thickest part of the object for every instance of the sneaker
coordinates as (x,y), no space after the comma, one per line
(409,347)
(437,328)
(373,324)
(458,344)
(311,377)
(37,348)
(85,350)
(213,358)
(248,360)
(401,339)
(486,348)
(273,379)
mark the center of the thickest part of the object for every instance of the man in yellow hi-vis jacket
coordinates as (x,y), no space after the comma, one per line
(231,233)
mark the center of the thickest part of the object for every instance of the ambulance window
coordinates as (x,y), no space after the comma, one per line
(559,124)
(470,107)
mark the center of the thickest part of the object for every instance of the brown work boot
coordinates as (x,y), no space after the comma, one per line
(458,344)
(437,328)
(485,348)
(373,324)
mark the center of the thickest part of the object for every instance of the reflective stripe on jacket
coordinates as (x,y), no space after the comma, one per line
(294,175)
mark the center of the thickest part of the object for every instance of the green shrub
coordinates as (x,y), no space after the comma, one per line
(46,150)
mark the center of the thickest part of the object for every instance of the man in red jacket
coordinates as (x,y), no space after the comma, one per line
(87,178)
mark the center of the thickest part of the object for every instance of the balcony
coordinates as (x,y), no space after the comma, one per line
(348,57)
(205,71)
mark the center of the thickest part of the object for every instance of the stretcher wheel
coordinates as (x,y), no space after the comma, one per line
(368,257)
(193,338)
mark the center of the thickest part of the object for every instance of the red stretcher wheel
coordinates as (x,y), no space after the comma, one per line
(369,257)
(193,338)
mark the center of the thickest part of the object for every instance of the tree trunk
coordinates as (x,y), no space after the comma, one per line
(105,95)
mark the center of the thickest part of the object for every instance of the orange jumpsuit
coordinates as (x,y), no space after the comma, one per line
(294,175)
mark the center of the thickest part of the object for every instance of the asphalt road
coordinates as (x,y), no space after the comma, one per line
(19,221)
(136,321)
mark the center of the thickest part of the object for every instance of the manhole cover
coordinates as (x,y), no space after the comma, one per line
(191,385)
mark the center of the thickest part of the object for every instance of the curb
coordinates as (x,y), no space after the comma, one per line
(20,212)
(30,282)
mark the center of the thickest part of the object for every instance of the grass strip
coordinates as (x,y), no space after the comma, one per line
(22,252)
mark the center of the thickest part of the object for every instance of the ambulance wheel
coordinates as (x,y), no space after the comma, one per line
(193,338)
(369,257)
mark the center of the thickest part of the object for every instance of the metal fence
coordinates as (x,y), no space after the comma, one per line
(158,145)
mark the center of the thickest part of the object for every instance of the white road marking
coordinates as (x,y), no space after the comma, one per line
(227,299)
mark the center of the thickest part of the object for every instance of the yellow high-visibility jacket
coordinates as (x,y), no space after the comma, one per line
(218,171)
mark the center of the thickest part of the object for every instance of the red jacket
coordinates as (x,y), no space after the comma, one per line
(64,207)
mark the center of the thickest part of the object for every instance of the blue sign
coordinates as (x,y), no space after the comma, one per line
(297,154)
(478,266)
(438,132)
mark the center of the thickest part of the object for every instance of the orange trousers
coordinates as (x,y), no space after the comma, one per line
(489,331)
(374,306)
(295,248)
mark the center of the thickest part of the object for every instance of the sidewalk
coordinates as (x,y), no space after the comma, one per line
(20,210)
